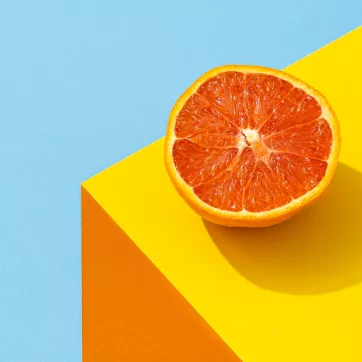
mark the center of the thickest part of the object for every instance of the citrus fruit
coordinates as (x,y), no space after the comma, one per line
(251,146)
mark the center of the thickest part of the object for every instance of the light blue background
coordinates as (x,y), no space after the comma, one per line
(84,84)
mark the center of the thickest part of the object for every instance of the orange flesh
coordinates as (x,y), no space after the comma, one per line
(251,142)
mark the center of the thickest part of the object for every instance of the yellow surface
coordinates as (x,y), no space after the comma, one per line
(290,293)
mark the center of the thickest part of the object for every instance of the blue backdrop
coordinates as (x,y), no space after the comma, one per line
(84,83)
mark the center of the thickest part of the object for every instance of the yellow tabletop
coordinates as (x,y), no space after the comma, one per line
(290,293)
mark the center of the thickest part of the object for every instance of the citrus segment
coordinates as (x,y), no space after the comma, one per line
(286,177)
(225,192)
(197,164)
(215,140)
(198,117)
(263,93)
(248,141)
(312,139)
(295,108)
(225,93)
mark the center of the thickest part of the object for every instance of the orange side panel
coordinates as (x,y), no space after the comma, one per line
(131,312)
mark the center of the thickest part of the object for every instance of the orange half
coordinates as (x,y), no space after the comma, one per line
(251,146)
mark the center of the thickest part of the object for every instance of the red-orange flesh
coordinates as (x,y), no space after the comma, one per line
(251,142)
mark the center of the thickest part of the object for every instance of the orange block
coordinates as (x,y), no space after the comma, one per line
(131,312)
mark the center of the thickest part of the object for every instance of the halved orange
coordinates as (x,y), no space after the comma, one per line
(251,146)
